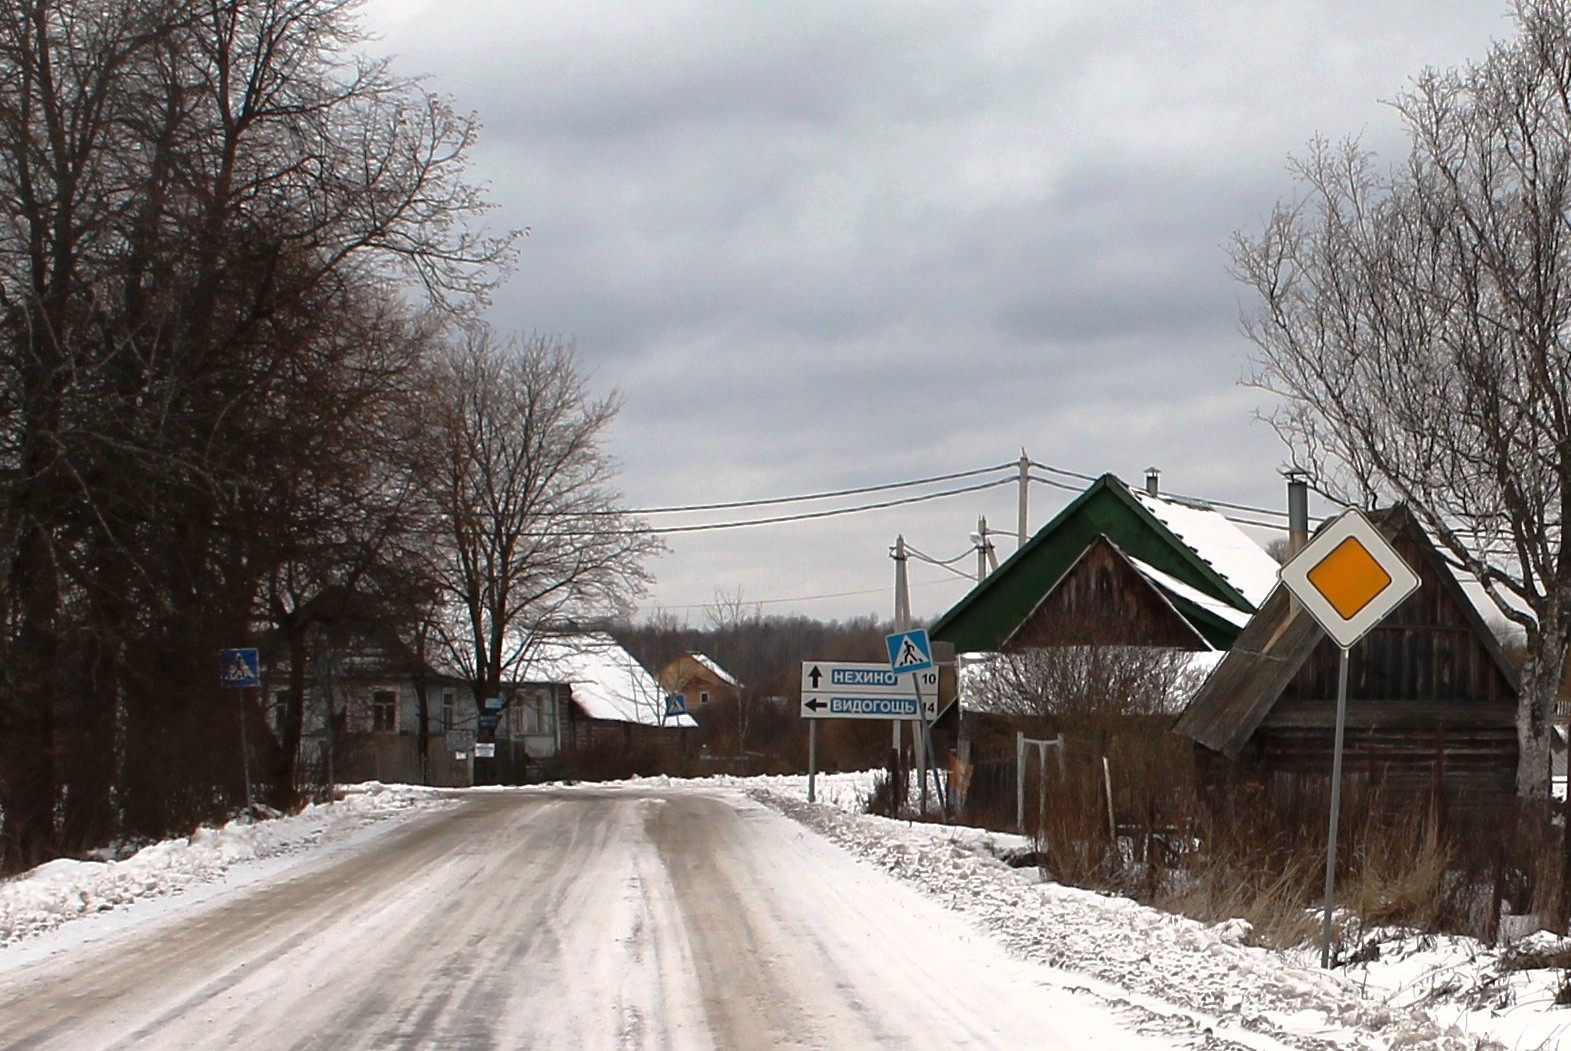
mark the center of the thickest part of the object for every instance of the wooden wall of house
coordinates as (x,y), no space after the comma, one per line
(1103,601)
(1425,698)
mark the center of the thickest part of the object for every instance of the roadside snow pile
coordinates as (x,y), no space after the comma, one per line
(1514,994)
(1197,981)
(47,896)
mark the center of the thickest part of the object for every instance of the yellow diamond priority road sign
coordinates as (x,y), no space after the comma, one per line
(1349,578)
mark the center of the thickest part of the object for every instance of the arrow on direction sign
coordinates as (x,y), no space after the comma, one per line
(815,675)
(815,704)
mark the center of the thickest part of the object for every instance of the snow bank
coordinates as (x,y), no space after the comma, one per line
(1200,982)
(49,895)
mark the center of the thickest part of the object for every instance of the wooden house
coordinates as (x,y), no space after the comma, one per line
(1431,699)
(699,680)
(1118,566)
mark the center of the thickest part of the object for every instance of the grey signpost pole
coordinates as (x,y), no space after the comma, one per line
(812,760)
(1336,809)
(241,668)
(928,761)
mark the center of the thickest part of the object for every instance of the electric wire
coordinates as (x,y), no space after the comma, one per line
(731,505)
(941,565)
(806,515)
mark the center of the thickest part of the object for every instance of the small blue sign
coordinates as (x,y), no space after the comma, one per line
(874,707)
(864,677)
(675,704)
(239,668)
(488,723)
(909,650)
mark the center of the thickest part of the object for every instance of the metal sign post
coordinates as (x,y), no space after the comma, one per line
(912,651)
(865,690)
(1349,578)
(241,668)
(1336,810)
(812,761)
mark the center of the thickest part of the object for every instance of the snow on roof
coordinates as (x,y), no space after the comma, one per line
(1228,549)
(608,682)
(1173,586)
(715,669)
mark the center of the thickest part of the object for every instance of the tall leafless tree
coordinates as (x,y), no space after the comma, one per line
(201,198)
(533,532)
(1416,324)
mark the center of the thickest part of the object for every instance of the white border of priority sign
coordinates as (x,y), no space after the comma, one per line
(1377,554)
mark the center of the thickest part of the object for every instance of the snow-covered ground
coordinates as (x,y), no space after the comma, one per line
(1187,978)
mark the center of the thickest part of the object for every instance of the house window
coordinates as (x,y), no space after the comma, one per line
(703,697)
(449,710)
(537,711)
(384,711)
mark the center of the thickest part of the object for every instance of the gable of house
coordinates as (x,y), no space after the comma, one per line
(1105,599)
(698,678)
(1198,562)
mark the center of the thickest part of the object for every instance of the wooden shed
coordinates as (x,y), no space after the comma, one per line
(1431,698)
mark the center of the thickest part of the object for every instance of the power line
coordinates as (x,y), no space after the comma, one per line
(930,560)
(731,505)
(831,513)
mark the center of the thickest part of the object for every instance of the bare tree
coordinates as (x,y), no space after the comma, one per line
(1082,681)
(202,201)
(1417,325)
(532,530)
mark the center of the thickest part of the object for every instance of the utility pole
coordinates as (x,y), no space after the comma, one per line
(1025,484)
(986,557)
(897,775)
(902,586)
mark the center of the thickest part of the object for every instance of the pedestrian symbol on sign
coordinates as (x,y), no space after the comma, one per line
(239,668)
(909,651)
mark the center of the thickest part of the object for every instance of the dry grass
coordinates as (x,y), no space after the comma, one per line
(1401,863)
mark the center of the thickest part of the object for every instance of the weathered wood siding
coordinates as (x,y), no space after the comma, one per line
(1103,601)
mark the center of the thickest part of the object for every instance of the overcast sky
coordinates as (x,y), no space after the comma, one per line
(826,245)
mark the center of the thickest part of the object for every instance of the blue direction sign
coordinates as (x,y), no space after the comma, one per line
(909,650)
(239,668)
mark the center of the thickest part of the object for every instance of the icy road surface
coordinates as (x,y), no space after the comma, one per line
(568,919)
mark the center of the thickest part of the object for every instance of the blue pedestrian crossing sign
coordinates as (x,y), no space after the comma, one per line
(909,650)
(675,704)
(239,668)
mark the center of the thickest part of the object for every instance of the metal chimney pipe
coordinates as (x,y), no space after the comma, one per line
(1152,474)
(1297,510)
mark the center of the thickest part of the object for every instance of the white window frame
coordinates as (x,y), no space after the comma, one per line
(392,709)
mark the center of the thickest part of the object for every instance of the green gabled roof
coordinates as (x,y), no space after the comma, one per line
(990,613)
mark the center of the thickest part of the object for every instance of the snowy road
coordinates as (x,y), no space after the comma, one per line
(570,919)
